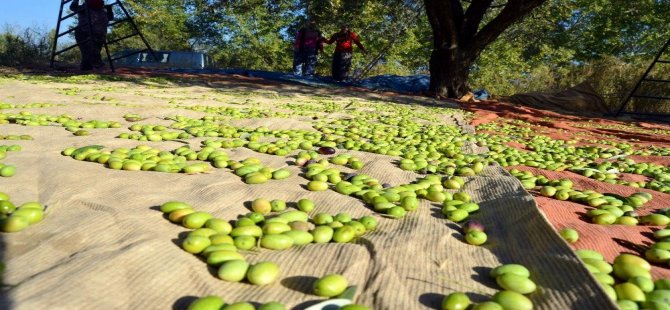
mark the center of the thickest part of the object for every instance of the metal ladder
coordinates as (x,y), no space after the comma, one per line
(128,18)
(645,79)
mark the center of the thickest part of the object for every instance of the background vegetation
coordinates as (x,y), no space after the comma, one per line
(607,42)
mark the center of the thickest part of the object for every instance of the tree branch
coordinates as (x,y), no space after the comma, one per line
(513,12)
(473,17)
(493,6)
(445,17)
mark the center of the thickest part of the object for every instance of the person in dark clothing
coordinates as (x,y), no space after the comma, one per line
(345,39)
(91,37)
(308,42)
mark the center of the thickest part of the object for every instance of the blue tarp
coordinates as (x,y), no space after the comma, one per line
(481,94)
(401,84)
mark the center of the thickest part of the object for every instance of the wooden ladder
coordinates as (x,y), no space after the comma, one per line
(127,19)
(646,79)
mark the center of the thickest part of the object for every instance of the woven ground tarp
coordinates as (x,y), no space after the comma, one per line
(581,98)
(104,245)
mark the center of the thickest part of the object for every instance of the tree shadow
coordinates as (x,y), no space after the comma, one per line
(183,303)
(5,300)
(166,216)
(302,284)
(638,249)
(483,276)
(454,226)
(583,217)
(249,80)
(247,204)
(458,236)
(648,235)
(180,238)
(431,300)
(437,213)
(310,303)
(478,298)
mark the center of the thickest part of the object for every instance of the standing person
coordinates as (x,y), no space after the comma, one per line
(91,38)
(344,52)
(308,42)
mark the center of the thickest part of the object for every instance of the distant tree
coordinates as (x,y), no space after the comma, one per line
(162,22)
(565,42)
(24,46)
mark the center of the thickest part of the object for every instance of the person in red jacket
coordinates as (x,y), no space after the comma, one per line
(345,39)
(308,42)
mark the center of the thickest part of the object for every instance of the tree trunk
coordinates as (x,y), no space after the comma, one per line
(459,38)
(449,70)
(449,73)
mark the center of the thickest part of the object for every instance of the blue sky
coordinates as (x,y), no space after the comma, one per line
(29,13)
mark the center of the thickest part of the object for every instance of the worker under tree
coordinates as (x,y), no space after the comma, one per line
(308,42)
(344,39)
(91,37)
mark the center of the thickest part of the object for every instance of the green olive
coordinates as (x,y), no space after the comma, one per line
(15,223)
(277,205)
(217,258)
(344,234)
(32,215)
(219,225)
(305,205)
(196,219)
(512,301)
(317,186)
(244,242)
(195,244)
(263,273)
(276,242)
(516,269)
(516,283)
(233,270)
(207,303)
(456,301)
(629,291)
(299,237)
(322,234)
(261,205)
(330,285)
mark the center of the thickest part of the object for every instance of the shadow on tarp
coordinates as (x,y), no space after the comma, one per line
(413,84)
(518,234)
(407,89)
(302,284)
(5,300)
(184,302)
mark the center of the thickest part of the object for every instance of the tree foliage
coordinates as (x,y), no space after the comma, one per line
(20,47)
(557,45)
(606,42)
(258,34)
(162,22)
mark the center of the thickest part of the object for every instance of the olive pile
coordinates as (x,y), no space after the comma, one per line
(515,281)
(7,170)
(628,281)
(15,219)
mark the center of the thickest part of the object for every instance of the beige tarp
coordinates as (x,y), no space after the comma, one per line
(580,98)
(103,245)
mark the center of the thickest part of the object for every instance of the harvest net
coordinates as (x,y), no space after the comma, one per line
(103,243)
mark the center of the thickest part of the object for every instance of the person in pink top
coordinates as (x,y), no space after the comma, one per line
(345,39)
(308,42)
